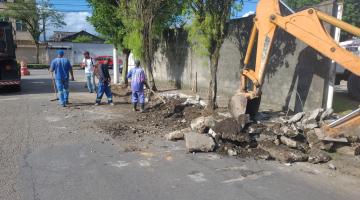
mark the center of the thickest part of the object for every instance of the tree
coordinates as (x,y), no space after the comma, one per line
(49,17)
(107,18)
(207,32)
(32,15)
(147,19)
(351,12)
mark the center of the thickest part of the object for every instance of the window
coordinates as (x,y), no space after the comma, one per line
(20,26)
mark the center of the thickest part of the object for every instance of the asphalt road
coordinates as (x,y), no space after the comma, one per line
(51,153)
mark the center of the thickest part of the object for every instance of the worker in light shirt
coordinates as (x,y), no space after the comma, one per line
(89,65)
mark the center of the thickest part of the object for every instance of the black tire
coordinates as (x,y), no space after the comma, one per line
(353,86)
(16,88)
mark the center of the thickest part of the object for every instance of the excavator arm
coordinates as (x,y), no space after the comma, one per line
(306,26)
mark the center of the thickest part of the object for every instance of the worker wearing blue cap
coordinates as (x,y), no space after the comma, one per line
(62,67)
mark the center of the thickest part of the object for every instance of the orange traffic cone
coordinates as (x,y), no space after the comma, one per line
(24,69)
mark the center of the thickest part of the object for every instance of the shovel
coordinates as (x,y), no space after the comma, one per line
(55,91)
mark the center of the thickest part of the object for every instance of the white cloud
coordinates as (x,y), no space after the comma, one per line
(75,21)
(248,13)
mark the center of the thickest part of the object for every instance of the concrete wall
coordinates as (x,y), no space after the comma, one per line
(28,53)
(75,50)
(296,76)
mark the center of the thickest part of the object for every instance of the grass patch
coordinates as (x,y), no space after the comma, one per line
(343,104)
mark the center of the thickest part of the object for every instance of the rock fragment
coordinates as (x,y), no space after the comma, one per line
(289,142)
(318,156)
(202,124)
(198,142)
(349,150)
(283,153)
(296,118)
(177,135)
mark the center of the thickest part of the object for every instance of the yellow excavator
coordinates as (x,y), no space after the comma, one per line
(307,26)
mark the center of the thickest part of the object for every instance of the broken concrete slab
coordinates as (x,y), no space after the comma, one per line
(202,124)
(230,129)
(177,135)
(266,136)
(283,153)
(232,152)
(349,150)
(289,142)
(318,156)
(198,142)
(296,118)
(313,115)
(315,142)
(310,124)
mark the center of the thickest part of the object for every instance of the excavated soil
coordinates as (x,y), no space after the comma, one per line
(140,130)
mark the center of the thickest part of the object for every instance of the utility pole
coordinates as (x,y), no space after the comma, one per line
(115,66)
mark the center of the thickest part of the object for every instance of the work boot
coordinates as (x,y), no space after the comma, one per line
(134,107)
(142,107)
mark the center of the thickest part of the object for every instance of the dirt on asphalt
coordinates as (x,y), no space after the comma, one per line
(139,130)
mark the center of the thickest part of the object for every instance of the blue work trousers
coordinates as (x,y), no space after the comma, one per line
(63,90)
(90,82)
(138,97)
(104,87)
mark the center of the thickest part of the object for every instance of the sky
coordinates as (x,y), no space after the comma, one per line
(76,11)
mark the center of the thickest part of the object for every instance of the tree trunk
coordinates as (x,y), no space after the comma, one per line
(126,66)
(147,45)
(212,93)
(37,52)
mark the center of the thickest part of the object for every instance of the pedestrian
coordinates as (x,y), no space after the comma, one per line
(102,73)
(138,80)
(88,63)
(62,67)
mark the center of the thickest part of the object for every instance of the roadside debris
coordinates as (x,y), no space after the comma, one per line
(198,142)
(296,138)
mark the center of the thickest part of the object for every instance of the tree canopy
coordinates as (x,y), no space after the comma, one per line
(207,31)
(36,16)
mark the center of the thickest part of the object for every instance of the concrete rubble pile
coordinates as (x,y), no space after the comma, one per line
(298,138)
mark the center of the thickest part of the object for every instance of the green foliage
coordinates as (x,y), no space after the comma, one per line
(106,20)
(82,39)
(209,23)
(34,15)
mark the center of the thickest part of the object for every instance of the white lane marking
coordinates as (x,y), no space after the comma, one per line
(197,177)
(120,164)
(144,163)
(9,99)
(38,82)
(52,119)
(249,177)
(234,168)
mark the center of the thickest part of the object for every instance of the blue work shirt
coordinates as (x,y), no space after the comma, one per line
(138,79)
(61,67)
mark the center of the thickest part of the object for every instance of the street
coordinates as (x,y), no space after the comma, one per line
(49,152)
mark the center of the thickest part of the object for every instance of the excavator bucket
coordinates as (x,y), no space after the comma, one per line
(239,104)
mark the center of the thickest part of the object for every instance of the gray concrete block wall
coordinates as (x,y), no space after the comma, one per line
(296,77)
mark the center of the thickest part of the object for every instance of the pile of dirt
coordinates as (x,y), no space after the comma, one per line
(158,119)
